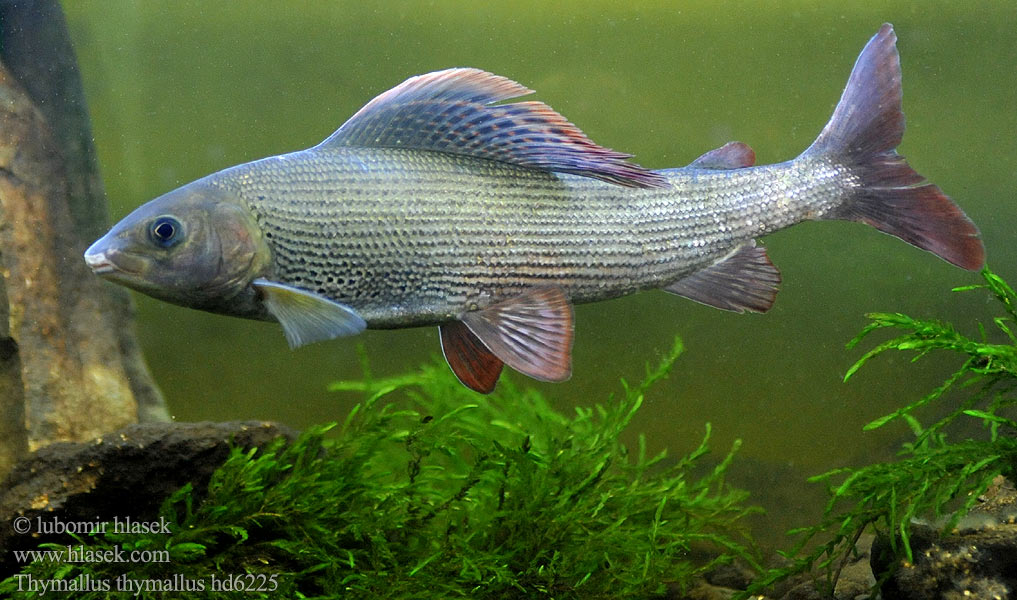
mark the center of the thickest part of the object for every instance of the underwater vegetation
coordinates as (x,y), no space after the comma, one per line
(935,477)
(425,493)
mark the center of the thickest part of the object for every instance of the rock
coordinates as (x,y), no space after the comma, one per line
(127,473)
(854,583)
(977,560)
(703,590)
(735,576)
(721,583)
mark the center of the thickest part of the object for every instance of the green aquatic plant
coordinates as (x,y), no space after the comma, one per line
(427,491)
(934,478)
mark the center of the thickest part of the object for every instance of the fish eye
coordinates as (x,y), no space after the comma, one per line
(165,231)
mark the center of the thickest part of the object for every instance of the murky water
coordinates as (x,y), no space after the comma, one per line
(181,89)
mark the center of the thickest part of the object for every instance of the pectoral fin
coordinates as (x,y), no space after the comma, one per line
(744,280)
(305,316)
(532,333)
(469,359)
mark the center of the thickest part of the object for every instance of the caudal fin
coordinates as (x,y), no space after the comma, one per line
(863,134)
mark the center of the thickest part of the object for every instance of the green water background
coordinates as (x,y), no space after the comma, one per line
(179,89)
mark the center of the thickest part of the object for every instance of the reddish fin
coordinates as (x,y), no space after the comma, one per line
(531,333)
(449,111)
(732,155)
(868,119)
(472,363)
(744,280)
(863,133)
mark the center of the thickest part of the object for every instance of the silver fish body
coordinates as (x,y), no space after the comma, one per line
(409,237)
(435,204)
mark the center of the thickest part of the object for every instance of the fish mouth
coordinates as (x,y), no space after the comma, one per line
(99,263)
(124,268)
(110,264)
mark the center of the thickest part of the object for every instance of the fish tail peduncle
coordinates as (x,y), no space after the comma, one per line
(863,135)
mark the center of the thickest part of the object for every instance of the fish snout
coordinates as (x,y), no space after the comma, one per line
(97,258)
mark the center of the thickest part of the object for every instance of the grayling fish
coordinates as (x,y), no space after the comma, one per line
(434,206)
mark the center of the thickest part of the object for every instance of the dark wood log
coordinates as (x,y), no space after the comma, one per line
(70,367)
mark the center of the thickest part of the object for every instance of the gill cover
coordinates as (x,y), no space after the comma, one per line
(196,246)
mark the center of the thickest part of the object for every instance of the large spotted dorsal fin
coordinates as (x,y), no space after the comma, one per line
(451,111)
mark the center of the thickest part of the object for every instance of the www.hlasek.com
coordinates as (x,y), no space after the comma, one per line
(81,554)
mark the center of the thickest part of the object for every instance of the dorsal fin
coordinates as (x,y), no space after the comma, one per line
(450,111)
(732,155)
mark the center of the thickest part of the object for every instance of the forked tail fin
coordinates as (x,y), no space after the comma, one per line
(865,129)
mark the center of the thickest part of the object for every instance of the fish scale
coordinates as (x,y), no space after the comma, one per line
(466,233)
(434,204)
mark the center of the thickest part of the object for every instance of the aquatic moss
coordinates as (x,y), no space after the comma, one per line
(934,478)
(429,491)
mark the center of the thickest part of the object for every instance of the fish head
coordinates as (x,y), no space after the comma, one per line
(197,246)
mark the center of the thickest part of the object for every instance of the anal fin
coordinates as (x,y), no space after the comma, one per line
(744,280)
(469,359)
(532,332)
